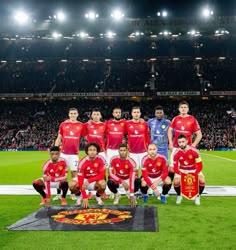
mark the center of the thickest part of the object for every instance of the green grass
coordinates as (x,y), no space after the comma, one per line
(209,226)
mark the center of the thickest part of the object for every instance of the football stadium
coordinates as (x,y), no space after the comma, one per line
(118,124)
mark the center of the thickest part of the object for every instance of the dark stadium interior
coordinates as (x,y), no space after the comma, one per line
(149,60)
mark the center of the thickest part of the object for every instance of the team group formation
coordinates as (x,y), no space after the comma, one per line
(137,166)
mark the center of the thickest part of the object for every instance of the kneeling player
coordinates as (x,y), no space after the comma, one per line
(187,160)
(155,172)
(123,171)
(54,175)
(91,174)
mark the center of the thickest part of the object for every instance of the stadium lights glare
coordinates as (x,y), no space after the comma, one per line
(194,33)
(56,35)
(110,34)
(91,15)
(206,12)
(221,32)
(82,34)
(117,15)
(60,16)
(164,13)
(21,17)
(165,33)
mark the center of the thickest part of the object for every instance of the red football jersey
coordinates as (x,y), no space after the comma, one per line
(92,170)
(123,170)
(187,160)
(115,131)
(57,171)
(184,125)
(95,132)
(71,133)
(138,136)
(154,168)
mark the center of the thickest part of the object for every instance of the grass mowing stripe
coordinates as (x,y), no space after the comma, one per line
(222,158)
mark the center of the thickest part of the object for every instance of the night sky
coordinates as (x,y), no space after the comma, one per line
(132,8)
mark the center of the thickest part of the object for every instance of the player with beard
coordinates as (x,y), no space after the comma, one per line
(187,160)
(115,131)
(138,136)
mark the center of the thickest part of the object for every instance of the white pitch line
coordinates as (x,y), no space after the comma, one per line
(223,158)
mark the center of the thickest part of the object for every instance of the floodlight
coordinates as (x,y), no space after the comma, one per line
(164,13)
(206,12)
(117,14)
(91,15)
(56,35)
(60,16)
(21,17)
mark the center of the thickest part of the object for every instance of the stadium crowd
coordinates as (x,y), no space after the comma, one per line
(34,124)
(55,76)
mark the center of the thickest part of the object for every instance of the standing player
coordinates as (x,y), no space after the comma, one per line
(115,131)
(91,175)
(69,135)
(158,127)
(54,175)
(122,171)
(182,124)
(188,160)
(138,136)
(95,131)
(154,173)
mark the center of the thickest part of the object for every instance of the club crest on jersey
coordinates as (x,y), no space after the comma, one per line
(126,166)
(91,216)
(100,127)
(122,124)
(188,123)
(158,164)
(95,165)
(190,157)
(141,126)
(163,126)
(60,168)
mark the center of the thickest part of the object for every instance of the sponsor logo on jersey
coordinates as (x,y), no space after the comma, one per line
(71,133)
(182,128)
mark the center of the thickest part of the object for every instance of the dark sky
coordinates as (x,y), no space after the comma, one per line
(133,8)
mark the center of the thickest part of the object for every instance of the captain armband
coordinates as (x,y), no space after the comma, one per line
(198,159)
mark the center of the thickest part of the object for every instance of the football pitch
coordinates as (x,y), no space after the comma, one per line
(209,226)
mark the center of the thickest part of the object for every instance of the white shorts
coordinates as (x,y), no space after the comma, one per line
(55,184)
(138,158)
(71,161)
(91,185)
(178,176)
(171,163)
(155,179)
(111,153)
